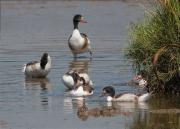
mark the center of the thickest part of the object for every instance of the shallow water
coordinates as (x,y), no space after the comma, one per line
(30,28)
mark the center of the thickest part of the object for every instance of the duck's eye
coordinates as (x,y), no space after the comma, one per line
(104,92)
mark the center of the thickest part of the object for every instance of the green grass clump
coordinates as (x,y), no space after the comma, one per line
(155,43)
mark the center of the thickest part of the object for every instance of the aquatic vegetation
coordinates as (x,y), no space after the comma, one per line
(155,45)
(163,113)
(169,120)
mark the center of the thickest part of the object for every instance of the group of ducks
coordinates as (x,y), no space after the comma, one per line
(79,83)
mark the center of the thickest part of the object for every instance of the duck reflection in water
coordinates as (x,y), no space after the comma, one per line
(73,103)
(3,124)
(38,83)
(111,110)
(40,87)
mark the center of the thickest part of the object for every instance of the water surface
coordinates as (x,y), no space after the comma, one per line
(29,28)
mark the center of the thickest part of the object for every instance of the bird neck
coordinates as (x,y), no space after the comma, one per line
(112,94)
(44,61)
(75,24)
(75,77)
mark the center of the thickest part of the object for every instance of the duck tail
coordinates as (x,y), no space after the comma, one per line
(24,68)
(144,97)
(91,83)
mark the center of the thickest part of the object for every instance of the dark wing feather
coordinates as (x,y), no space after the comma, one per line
(86,41)
(32,63)
(139,94)
(84,35)
(88,88)
(118,95)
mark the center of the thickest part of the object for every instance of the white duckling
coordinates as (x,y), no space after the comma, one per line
(70,79)
(38,69)
(81,92)
(125,97)
(83,89)
(79,42)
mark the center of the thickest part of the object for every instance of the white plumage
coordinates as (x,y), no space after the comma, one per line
(79,84)
(80,92)
(69,79)
(130,97)
(126,97)
(79,42)
(38,69)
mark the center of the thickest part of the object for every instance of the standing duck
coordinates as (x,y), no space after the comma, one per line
(125,97)
(38,69)
(79,42)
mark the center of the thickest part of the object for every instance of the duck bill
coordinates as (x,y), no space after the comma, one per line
(136,78)
(83,21)
(102,94)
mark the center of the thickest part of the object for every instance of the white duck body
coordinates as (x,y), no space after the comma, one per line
(144,97)
(130,97)
(35,70)
(126,97)
(80,92)
(79,43)
(69,81)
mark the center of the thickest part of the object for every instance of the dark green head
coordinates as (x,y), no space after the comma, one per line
(108,90)
(78,18)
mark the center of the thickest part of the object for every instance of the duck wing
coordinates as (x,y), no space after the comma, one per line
(88,88)
(86,41)
(32,63)
(83,35)
(119,95)
(126,97)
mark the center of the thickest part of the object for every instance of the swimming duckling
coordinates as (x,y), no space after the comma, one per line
(124,97)
(38,69)
(79,42)
(70,79)
(83,89)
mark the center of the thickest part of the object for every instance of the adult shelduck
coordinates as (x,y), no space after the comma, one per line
(79,42)
(124,97)
(38,69)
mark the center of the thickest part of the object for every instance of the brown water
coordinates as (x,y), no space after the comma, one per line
(29,28)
